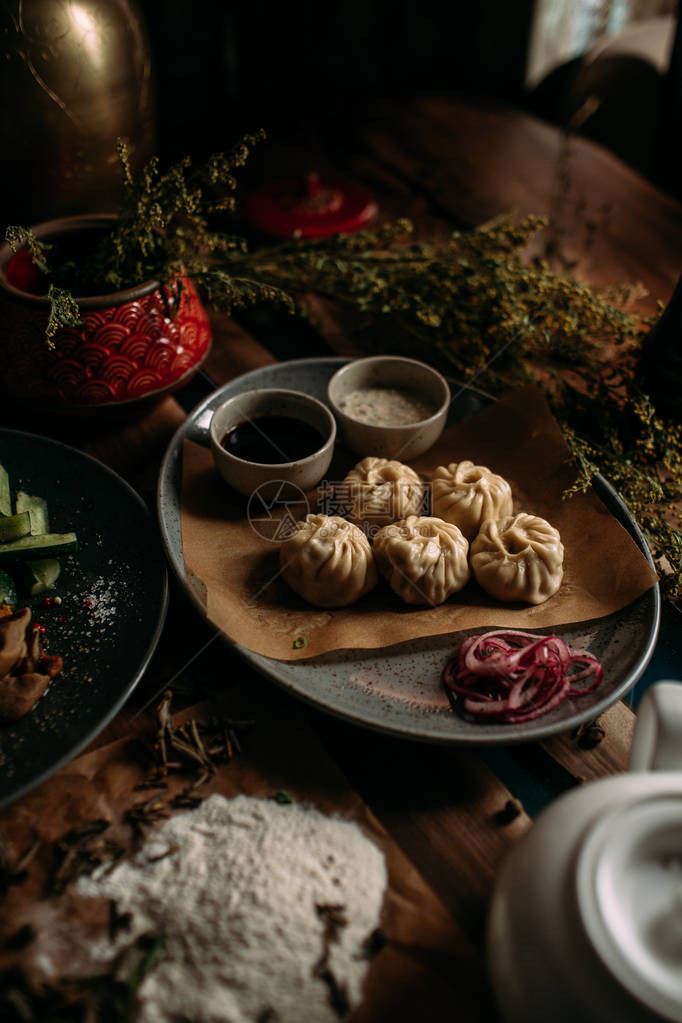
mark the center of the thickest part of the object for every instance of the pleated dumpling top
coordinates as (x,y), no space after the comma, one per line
(466,495)
(424,559)
(328,561)
(519,558)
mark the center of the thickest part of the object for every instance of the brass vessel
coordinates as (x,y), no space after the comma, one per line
(74,75)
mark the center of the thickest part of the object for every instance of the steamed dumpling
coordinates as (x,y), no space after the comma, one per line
(382,491)
(467,494)
(518,558)
(424,559)
(329,561)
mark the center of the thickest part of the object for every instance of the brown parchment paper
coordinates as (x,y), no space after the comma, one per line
(234,571)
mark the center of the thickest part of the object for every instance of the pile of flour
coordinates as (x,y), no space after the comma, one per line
(235,886)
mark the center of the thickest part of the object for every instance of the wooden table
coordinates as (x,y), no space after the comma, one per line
(443,815)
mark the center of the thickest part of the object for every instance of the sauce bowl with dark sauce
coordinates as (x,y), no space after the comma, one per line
(272,434)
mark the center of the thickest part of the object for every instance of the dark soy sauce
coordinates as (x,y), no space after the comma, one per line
(272,440)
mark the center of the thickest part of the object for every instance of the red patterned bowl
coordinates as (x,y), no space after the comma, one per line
(132,346)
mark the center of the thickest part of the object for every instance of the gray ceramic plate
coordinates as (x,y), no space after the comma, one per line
(398,689)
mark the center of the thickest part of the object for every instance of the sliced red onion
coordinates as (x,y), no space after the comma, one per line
(512,676)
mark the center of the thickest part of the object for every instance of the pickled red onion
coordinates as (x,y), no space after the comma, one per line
(511,676)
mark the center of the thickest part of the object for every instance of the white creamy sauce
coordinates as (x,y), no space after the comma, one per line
(386,406)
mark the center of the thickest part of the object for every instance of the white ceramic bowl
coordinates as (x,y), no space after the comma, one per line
(246,476)
(401,442)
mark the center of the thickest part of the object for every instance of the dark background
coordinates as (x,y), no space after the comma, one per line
(310,74)
(303,69)
(224,67)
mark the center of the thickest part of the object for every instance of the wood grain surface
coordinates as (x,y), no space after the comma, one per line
(445,817)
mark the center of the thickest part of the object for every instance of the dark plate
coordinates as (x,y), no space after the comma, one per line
(114,595)
(398,689)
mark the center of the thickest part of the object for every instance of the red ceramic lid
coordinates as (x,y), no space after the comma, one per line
(22,273)
(310,207)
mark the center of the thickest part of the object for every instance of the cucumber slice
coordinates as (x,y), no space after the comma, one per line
(5,500)
(38,576)
(30,548)
(12,527)
(8,591)
(36,508)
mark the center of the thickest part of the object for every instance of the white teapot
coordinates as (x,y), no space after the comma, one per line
(586,919)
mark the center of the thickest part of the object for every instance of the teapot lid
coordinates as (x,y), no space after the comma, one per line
(312,206)
(629,891)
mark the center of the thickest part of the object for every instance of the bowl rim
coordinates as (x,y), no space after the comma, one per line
(271,391)
(404,427)
(63,226)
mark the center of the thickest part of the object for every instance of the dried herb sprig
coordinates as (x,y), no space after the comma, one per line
(334,920)
(162,233)
(473,301)
(108,998)
(192,748)
(472,287)
(612,428)
(14,871)
(163,229)
(22,238)
(80,851)
(468,296)
(64,311)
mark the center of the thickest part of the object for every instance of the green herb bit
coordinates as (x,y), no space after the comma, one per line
(64,312)
(23,238)
(282,797)
(150,947)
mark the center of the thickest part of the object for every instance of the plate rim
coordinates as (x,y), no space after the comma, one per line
(267,666)
(75,749)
